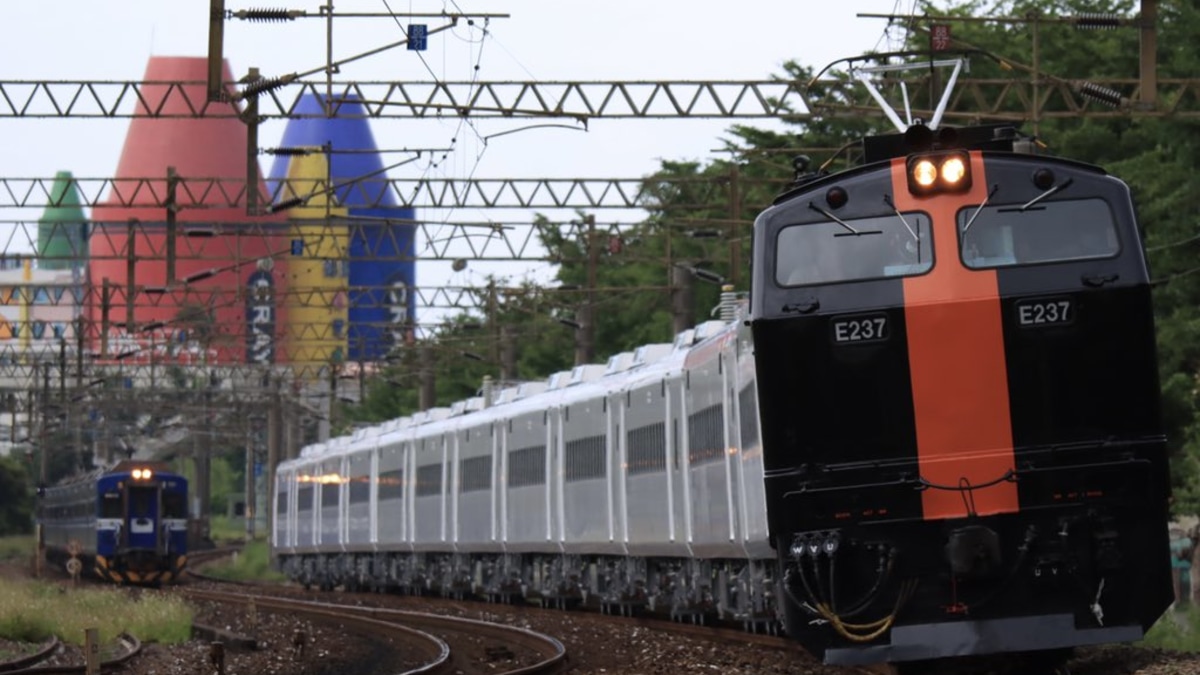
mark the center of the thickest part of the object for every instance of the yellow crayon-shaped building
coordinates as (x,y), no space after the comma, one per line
(318,269)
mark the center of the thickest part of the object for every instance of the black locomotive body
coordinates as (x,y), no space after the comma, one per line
(960,404)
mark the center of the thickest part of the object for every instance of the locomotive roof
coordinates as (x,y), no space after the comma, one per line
(988,138)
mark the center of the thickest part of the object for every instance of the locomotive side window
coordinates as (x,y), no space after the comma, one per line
(895,245)
(1058,231)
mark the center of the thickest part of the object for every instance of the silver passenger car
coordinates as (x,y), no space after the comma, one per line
(606,483)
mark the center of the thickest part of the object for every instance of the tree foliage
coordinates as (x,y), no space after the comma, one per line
(16,500)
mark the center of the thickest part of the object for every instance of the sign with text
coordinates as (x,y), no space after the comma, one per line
(418,37)
(939,37)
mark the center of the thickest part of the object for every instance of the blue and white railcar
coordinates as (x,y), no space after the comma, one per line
(127,524)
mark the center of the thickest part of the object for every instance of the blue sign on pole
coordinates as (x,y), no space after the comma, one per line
(418,37)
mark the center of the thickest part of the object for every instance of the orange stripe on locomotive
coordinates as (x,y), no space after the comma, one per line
(959,375)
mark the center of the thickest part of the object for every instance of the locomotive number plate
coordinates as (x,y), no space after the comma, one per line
(857,329)
(1051,312)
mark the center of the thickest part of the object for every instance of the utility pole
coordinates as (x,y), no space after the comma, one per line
(427,394)
(201,458)
(171,207)
(1149,54)
(275,446)
(683,298)
(130,266)
(585,336)
(250,117)
(105,306)
(493,325)
(43,426)
(249,510)
(508,354)
(735,216)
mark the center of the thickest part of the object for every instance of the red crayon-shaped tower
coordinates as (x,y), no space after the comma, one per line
(225,301)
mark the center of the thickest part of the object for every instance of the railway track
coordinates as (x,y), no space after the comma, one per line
(52,658)
(701,632)
(442,644)
(698,631)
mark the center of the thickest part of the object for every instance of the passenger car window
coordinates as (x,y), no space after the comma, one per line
(1004,235)
(852,250)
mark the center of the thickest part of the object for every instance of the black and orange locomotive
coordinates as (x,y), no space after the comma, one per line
(960,403)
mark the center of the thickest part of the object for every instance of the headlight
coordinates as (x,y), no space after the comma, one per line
(931,173)
(954,169)
(924,173)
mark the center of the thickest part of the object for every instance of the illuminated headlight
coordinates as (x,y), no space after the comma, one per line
(954,169)
(931,173)
(924,173)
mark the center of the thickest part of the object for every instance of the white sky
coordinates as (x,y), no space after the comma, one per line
(543,40)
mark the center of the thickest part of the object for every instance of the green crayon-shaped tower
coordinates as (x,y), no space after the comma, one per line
(62,229)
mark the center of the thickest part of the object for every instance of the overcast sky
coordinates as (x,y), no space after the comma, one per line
(542,40)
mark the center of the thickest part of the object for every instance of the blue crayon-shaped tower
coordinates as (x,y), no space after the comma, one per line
(382,260)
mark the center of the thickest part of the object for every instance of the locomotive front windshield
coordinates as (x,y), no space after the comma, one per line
(1004,236)
(895,245)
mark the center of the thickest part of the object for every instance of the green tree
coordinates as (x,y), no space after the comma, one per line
(16,499)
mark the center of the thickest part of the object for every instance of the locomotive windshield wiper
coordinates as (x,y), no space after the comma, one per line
(841,222)
(1053,189)
(991,193)
(887,199)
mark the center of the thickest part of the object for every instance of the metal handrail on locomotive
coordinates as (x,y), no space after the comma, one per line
(128,524)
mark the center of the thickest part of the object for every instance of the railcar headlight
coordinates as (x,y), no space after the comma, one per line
(931,173)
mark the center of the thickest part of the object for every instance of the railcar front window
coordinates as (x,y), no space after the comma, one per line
(895,245)
(110,505)
(141,502)
(1059,231)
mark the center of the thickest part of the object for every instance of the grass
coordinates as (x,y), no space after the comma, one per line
(223,529)
(252,564)
(32,611)
(1176,630)
(16,548)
